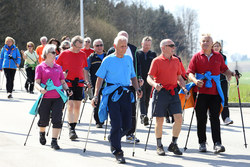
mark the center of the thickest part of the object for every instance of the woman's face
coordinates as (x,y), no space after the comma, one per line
(30,47)
(51,55)
(9,42)
(217,47)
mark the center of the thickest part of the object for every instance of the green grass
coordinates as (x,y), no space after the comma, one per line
(244,87)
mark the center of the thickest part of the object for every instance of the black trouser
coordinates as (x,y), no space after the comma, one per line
(29,84)
(53,106)
(144,101)
(10,75)
(205,102)
(132,130)
(225,112)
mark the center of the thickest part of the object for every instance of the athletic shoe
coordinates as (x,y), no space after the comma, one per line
(228,121)
(131,138)
(72,135)
(203,147)
(174,148)
(9,96)
(119,158)
(54,145)
(31,92)
(98,125)
(42,138)
(160,150)
(144,120)
(218,148)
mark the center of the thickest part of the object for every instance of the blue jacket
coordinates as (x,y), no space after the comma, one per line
(50,86)
(5,61)
(208,84)
(103,109)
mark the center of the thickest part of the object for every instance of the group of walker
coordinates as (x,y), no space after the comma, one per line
(123,73)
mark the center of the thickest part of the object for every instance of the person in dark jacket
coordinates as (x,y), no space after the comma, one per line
(145,56)
(94,62)
(224,85)
(131,51)
(10,60)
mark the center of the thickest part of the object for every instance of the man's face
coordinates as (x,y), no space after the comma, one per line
(206,43)
(98,47)
(146,46)
(121,47)
(169,48)
(78,45)
(87,43)
(44,42)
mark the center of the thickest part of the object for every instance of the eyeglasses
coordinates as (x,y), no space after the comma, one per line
(30,46)
(54,53)
(64,48)
(99,45)
(171,45)
(87,41)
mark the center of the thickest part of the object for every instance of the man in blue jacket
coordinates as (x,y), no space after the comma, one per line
(117,70)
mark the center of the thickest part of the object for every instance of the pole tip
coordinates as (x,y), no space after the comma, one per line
(84,150)
(133,154)
(185,149)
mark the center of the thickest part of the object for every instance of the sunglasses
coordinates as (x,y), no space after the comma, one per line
(87,41)
(54,53)
(171,45)
(64,48)
(30,46)
(99,45)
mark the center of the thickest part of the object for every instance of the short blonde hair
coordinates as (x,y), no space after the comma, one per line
(147,38)
(75,39)
(206,35)
(9,38)
(30,43)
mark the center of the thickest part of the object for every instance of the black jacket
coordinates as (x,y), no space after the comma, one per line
(95,62)
(145,62)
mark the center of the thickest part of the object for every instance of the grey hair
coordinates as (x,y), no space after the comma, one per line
(47,49)
(164,42)
(64,43)
(120,38)
(75,39)
(122,32)
(43,37)
(97,40)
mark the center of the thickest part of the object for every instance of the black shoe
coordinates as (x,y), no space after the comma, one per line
(145,121)
(218,148)
(31,92)
(42,138)
(54,145)
(174,148)
(203,147)
(98,125)
(167,120)
(160,150)
(119,158)
(27,90)
(72,135)
(10,96)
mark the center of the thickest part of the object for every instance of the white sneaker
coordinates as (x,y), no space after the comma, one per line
(228,121)
(131,139)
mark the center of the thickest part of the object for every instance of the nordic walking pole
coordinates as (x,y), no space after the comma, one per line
(183,109)
(85,99)
(20,80)
(106,126)
(136,119)
(40,101)
(237,80)
(88,132)
(197,95)
(151,119)
(49,128)
(64,114)
(2,82)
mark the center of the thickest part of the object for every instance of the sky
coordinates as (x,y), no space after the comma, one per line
(224,19)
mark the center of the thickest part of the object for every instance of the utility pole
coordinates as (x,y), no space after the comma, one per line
(81,18)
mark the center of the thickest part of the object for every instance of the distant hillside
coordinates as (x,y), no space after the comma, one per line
(243,66)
